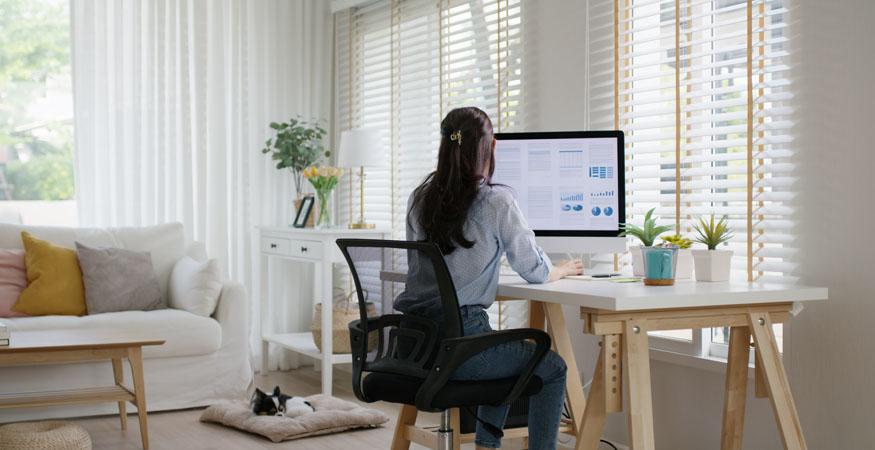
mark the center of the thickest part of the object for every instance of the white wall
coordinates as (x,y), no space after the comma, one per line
(555,38)
(829,354)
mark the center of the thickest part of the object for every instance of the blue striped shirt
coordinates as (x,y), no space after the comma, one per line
(497,227)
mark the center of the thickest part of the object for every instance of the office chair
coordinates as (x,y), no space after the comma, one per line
(415,357)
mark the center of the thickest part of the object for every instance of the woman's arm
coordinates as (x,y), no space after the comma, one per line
(518,241)
(523,253)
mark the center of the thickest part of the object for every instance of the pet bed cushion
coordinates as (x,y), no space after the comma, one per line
(332,415)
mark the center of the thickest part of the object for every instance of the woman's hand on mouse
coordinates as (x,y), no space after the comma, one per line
(566,268)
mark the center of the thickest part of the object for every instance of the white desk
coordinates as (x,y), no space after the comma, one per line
(311,246)
(606,295)
(623,313)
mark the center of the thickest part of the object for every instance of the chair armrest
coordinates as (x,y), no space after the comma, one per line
(420,334)
(232,313)
(358,334)
(376,323)
(455,351)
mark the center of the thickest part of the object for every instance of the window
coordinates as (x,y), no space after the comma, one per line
(701,90)
(36,113)
(401,65)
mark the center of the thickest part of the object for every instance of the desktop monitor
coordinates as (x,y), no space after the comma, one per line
(569,186)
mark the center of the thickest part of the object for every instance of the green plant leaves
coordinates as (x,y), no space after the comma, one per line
(712,233)
(296,145)
(678,240)
(646,234)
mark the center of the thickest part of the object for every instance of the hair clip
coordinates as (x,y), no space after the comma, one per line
(456,136)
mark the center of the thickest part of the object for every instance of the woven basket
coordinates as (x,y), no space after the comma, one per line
(343,313)
(48,435)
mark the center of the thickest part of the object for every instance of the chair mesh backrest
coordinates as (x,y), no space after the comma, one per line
(414,277)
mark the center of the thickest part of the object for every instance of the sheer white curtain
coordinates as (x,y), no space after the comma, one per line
(172,102)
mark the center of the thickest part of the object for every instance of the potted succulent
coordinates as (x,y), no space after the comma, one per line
(684,269)
(712,264)
(647,234)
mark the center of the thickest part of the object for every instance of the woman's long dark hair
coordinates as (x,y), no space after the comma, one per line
(465,161)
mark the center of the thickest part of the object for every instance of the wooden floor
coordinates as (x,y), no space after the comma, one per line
(182,430)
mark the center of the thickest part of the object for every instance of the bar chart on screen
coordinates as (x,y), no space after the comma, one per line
(603,172)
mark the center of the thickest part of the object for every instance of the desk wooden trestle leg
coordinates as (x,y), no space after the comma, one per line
(631,328)
(736,388)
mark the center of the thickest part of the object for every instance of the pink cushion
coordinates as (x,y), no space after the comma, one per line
(13,280)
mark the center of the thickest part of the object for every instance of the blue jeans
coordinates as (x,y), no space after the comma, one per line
(508,360)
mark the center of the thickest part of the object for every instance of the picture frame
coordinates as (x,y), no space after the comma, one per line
(303,213)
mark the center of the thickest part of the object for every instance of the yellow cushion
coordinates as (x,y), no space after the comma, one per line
(54,280)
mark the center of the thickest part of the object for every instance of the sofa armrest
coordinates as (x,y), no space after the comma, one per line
(232,313)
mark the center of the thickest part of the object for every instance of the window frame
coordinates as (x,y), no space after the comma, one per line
(767,42)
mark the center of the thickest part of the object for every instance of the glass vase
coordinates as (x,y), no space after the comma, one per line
(324,219)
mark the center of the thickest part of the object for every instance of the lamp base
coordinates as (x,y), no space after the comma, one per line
(361,226)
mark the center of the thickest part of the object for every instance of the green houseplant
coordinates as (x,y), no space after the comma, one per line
(296,145)
(647,233)
(712,264)
(678,240)
(685,255)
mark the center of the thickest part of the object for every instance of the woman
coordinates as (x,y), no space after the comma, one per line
(475,223)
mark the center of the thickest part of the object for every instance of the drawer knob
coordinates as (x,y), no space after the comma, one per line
(272,245)
(303,249)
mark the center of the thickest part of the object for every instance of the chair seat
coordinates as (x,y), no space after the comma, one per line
(394,388)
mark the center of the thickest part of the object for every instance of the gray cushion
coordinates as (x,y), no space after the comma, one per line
(116,279)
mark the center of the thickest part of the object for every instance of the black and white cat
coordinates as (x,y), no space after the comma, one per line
(279,404)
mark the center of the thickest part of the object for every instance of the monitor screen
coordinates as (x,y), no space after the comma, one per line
(566,183)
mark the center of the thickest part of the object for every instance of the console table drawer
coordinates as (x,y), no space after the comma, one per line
(276,246)
(305,249)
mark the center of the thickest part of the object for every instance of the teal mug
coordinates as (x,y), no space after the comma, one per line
(659,265)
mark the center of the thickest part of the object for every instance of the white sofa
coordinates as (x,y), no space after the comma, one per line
(204,359)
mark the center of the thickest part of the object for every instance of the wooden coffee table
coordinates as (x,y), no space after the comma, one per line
(73,346)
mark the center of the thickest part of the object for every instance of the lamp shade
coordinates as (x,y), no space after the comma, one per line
(360,147)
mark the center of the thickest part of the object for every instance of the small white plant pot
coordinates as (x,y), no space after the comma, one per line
(712,265)
(637,261)
(684,270)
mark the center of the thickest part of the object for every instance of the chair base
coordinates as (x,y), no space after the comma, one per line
(445,436)
(445,432)
(406,431)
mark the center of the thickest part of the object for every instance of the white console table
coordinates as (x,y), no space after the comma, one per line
(311,246)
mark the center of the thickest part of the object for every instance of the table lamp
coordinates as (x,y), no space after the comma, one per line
(359,148)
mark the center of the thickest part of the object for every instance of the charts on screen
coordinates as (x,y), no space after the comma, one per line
(571,159)
(603,172)
(602,194)
(571,197)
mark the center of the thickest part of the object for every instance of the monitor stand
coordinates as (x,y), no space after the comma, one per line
(581,244)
